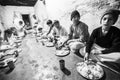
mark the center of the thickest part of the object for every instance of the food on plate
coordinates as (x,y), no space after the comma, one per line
(4,46)
(62,52)
(49,44)
(90,70)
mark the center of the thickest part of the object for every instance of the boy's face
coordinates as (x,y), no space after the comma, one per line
(9,35)
(56,25)
(49,25)
(75,19)
(40,29)
(107,20)
(14,31)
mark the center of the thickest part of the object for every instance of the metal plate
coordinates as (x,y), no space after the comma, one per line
(62,53)
(90,70)
(5,61)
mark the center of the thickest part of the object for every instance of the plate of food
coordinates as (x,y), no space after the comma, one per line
(4,62)
(18,41)
(90,70)
(62,53)
(49,44)
(5,47)
(44,40)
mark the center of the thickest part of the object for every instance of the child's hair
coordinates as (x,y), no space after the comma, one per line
(56,22)
(74,13)
(34,16)
(39,29)
(49,22)
(20,22)
(7,33)
(12,28)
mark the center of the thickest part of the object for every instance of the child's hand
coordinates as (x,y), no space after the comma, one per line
(60,46)
(96,52)
(86,57)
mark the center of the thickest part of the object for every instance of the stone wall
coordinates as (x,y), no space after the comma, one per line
(90,11)
(7,14)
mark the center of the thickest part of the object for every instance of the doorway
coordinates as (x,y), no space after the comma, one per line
(26,20)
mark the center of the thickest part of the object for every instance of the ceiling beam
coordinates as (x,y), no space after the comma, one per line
(18,2)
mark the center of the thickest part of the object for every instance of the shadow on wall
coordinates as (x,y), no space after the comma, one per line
(41,12)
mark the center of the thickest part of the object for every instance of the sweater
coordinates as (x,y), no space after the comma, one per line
(110,41)
(79,31)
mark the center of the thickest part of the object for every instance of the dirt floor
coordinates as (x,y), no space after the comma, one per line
(37,62)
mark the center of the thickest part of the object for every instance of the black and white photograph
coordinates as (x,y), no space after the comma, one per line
(59,39)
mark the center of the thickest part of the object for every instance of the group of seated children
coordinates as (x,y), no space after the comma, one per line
(76,38)
(9,46)
(104,42)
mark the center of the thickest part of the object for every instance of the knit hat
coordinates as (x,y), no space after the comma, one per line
(74,13)
(115,13)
